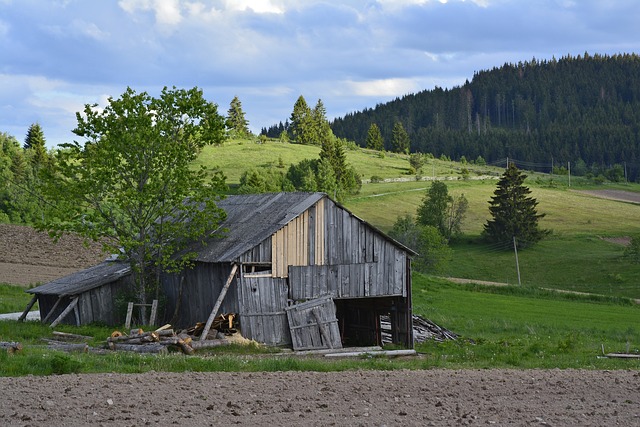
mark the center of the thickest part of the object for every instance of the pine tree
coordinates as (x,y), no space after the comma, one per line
(513,212)
(236,122)
(35,141)
(321,129)
(301,122)
(374,138)
(399,139)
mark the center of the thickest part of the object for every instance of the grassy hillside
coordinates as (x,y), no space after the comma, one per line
(575,257)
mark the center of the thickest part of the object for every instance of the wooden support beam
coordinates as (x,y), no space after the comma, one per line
(28,309)
(218,303)
(66,311)
(50,313)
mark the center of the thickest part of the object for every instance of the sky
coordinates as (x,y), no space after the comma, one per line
(58,55)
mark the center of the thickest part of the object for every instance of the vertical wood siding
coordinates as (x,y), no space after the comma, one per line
(262,302)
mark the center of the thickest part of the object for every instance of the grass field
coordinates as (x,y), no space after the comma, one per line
(506,327)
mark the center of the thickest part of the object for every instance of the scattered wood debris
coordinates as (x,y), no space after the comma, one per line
(423,330)
(11,347)
(165,338)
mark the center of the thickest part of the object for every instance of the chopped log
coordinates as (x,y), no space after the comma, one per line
(70,337)
(123,338)
(164,327)
(185,337)
(11,347)
(186,348)
(144,348)
(68,347)
(623,355)
(199,345)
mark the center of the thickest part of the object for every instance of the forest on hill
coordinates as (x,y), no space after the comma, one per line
(580,112)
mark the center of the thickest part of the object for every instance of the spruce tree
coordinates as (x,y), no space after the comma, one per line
(35,141)
(513,212)
(399,139)
(236,122)
(302,122)
(374,138)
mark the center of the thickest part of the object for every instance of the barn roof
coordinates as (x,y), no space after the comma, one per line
(251,219)
(84,280)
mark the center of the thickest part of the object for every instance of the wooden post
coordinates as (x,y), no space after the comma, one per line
(216,307)
(66,311)
(127,323)
(154,312)
(28,309)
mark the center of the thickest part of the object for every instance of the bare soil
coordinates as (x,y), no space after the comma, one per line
(355,398)
(30,257)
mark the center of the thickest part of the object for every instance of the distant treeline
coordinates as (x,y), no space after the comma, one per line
(584,110)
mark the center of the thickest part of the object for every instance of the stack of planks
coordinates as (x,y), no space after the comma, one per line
(159,341)
(423,330)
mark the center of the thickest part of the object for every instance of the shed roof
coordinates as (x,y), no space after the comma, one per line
(84,280)
(251,219)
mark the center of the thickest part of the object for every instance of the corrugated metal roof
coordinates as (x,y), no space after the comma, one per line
(84,280)
(251,219)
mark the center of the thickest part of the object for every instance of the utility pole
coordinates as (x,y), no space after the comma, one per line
(515,248)
(569,165)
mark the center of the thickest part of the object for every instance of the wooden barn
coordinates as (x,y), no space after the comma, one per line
(298,269)
(301,271)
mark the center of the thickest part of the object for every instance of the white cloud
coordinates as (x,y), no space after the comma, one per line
(382,87)
(167,12)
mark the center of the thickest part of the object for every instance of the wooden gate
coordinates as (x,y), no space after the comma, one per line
(262,314)
(313,324)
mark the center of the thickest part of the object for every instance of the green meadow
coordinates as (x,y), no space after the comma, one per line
(530,325)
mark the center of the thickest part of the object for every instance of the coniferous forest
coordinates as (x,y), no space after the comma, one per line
(580,112)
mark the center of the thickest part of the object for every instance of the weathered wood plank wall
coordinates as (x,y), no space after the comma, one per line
(262,302)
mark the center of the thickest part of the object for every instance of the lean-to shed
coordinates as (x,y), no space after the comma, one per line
(308,274)
(85,296)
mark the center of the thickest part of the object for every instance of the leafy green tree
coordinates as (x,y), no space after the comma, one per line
(442,211)
(632,251)
(431,246)
(236,123)
(131,184)
(399,139)
(263,180)
(513,212)
(433,210)
(417,161)
(374,138)
(35,142)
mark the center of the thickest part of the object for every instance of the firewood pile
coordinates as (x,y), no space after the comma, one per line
(423,330)
(164,339)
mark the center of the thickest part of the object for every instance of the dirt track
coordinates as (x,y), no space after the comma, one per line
(367,398)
